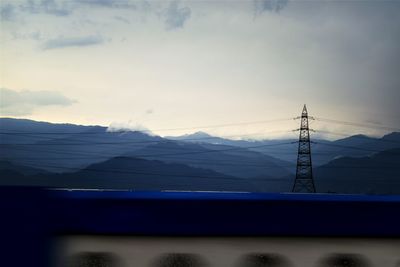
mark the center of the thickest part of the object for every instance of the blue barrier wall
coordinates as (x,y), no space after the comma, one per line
(32,216)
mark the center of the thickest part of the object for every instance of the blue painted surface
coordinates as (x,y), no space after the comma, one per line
(30,217)
(116,194)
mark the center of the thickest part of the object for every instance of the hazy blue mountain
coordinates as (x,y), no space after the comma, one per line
(392,137)
(59,147)
(28,149)
(15,178)
(376,174)
(323,150)
(283,149)
(25,170)
(353,146)
(81,146)
(34,130)
(203,137)
(14,174)
(134,174)
(144,174)
(229,160)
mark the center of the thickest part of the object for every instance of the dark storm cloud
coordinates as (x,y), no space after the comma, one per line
(122,19)
(7,12)
(99,2)
(50,7)
(353,50)
(109,3)
(58,8)
(19,103)
(176,16)
(63,42)
(261,6)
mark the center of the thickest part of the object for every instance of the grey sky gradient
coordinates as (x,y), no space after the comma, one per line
(206,62)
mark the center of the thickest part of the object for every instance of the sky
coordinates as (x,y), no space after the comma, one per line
(163,65)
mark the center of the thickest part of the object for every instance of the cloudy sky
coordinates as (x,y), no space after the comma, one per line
(173,64)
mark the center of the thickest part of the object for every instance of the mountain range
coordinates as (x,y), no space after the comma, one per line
(75,156)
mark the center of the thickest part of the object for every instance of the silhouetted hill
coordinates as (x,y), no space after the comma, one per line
(203,137)
(323,152)
(279,149)
(377,174)
(14,174)
(14,178)
(133,174)
(32,128)
(58,147)
(72,150)
(392,137)
(353,146)
(229,160)
(25,170)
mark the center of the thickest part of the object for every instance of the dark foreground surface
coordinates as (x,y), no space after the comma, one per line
(31,217)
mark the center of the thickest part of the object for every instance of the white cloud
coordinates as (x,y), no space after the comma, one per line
(50,7)
(261,6)
(7,12)
(19,103)
(128,127)
(109,3)
(62,42)
(176,16)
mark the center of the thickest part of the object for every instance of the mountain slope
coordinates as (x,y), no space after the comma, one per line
(133,174)
(25,170)
(224,159)
(280,148)
(377,174)
(324,151)
(57,147)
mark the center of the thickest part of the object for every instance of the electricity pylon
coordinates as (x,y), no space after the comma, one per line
(304,182)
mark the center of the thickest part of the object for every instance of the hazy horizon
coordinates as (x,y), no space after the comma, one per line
(208,130)
(181,64)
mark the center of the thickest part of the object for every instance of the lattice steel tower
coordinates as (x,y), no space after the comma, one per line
(304,182)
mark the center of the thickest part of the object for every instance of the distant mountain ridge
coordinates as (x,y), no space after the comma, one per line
(82,146)
(65,145)
(229,160)
(24,170)
(45,154)
(133,174)
(323,150)
(376,174)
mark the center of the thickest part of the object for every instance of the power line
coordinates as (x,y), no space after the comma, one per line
(147,173)
(357,148)
(218,150)
(147,141)
(116,143)
(357,136)
(382,127)
(176,160)
(162,129)
(326,166)
(138,172)
(149,155)
(379,168)
(192,152)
